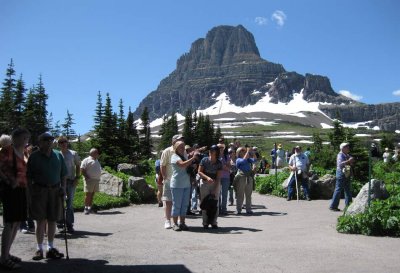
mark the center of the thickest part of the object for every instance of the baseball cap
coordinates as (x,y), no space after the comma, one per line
(344,144)
(175,138)
(45,136)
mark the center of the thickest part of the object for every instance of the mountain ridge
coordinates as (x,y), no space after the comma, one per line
(228,61)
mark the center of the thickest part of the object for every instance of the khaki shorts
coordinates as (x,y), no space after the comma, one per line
(167,195)
(46,203)
(91,185)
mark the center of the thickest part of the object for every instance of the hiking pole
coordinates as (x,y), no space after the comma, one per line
(65,226)
(295,178)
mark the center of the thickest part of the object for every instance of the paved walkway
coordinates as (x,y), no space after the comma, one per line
(281,236)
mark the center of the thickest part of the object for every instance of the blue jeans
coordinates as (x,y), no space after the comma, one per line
(341,183)
(69,208)
(304,185)
(180,201)
(194,198)
(223,198)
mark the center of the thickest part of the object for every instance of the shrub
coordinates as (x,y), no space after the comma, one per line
(270,185)
(381,218)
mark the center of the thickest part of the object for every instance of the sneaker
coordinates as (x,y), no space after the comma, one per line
(334,209)
(167,224)
(231,204)
(205,226)
(249,212)
(176,228)
(53,253)
(24,231)
(289,199)
(308,199)
(160,205)
(61,229)
(184,227)
(238,213)
(38,255)
(190,213)
(86,211)
(214,226)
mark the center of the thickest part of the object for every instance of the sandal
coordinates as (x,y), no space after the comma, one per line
(15,259)
(9,264)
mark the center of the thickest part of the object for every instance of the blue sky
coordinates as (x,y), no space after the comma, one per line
(127,47)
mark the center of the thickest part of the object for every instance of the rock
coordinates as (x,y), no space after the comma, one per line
(129,169)
(378,191)
(322,188)
(145,191)
(110,184)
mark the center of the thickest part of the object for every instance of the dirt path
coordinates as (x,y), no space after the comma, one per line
(281,236)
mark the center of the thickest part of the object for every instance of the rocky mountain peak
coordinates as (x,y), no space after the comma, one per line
(223,45)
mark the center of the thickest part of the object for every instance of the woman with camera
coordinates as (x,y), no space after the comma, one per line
(244,179)
(180,185)
(210,172)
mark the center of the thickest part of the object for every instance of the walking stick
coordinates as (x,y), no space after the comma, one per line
(295,178)
(65,227)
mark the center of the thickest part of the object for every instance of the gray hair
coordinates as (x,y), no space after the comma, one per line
(5,140)
(93,150)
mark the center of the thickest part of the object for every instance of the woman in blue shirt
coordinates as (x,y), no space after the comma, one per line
(243,182)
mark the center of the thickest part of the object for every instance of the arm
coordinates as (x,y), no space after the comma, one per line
(77,173)
(204,176)
(184,164)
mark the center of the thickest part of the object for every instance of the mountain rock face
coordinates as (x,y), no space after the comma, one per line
(386,115)
(227,61)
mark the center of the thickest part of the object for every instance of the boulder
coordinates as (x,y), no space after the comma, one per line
(359,204)
(145,191)
(322,188)
(110,184)
(129,169)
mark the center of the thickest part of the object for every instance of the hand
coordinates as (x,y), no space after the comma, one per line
(76,181)
(351,160)
(210,180)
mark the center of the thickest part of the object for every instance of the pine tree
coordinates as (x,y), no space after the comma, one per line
(7,101)
(98,112)
(29,118)
(188,128)
(145,135)
(169,128)
(132,137)
(68,131)
(19,100)
(41,107)
(217,134)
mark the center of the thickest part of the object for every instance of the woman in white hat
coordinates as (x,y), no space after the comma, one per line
(343,169)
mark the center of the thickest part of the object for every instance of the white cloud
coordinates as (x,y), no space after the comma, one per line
(261,21)
(350,95)
(396,93)
(279,17)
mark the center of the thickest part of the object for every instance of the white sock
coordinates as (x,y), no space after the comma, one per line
(49,245)
(39,247)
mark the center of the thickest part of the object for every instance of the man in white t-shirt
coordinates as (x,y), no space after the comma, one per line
(91,170)
(299,164)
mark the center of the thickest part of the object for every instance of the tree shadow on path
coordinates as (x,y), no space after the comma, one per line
(79,234)
(223,230)
(95,266)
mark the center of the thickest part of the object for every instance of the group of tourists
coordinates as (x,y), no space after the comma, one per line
(188,175)
(34,184)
